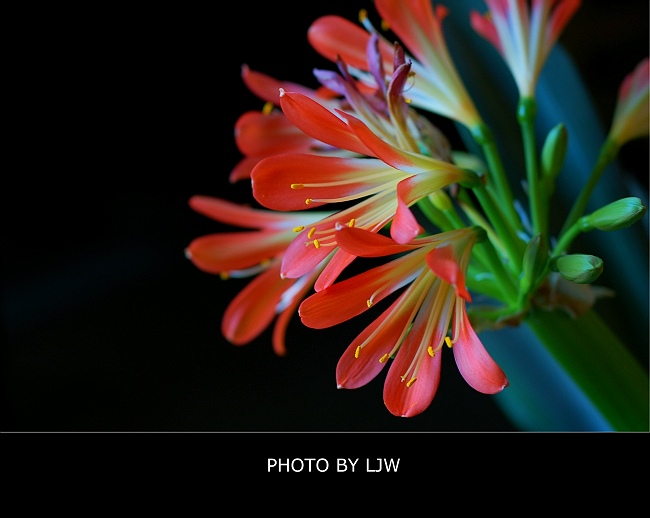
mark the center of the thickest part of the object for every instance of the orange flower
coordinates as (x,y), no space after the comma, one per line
(252,253)
(414,328)
(437,87)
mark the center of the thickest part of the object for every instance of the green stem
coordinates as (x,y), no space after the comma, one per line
(505,279)
(607,154)
(599,363)
(497,175)
(511,243)
(526,117)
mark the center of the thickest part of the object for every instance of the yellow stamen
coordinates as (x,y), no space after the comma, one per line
(363,14)
(267,108)
(316,244)
(369,303)
(356,353)
(384,25)
(431,352)
(383,358)
(351,224)
(308,201)
(224,275)
(298,229)
(411,381)
(312,230)
(297,185)
(448,342)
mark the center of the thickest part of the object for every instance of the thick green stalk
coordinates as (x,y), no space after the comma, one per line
(599,363)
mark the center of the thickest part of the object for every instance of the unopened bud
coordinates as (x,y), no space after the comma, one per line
(578,268)
(534,262)
(615,216)
(441,200)
(553,152)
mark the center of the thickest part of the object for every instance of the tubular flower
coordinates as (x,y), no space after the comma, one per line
(631,113)
(524,33)
(255,253)
(414,328)
(437,87)
(259,134)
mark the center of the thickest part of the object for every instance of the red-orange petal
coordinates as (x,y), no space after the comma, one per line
(475,364)
(357,369)
(320,123)
(216,253)
(444,264)
(260,134)
(284,182)
(253,309)
(401,399)
(335,37)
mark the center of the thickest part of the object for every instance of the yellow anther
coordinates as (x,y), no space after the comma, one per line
(352,222)
(265,262)
(308,201)
(224,275)
(297,185)
(298,229)
(311,233)
(383,358)
(411,381)
(384,25)
(363,14)
(316,243)
(358,350)
(431,352)
(448,342)
(267,108)
(369,303)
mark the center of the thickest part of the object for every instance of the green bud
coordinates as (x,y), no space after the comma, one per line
(615,216)
(534,262)
(578,268)
(553,152)
(441,200)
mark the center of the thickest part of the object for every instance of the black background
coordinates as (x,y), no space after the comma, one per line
(123,114)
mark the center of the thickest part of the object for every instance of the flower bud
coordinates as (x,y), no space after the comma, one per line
(553,152)
(615,216)
(578,268)
(534,262)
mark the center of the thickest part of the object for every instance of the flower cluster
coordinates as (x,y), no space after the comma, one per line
(355,169)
